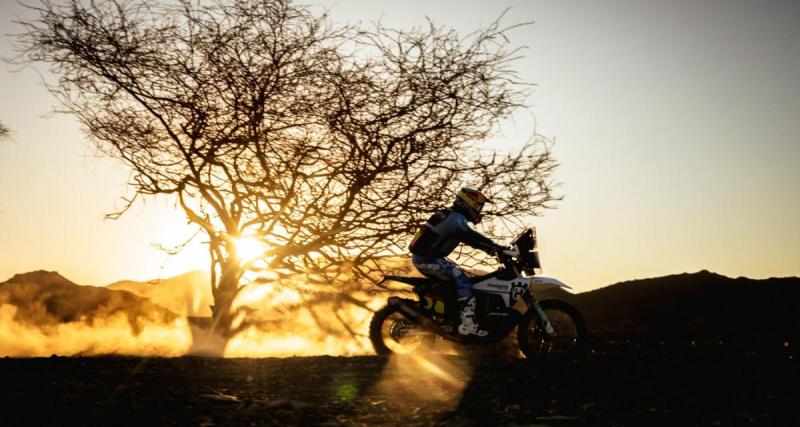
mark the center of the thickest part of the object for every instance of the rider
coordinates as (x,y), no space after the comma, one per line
(439,236)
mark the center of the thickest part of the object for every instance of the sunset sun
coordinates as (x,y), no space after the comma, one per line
(249,248)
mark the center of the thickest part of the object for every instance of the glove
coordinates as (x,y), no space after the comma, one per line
(511,251)
(494,250)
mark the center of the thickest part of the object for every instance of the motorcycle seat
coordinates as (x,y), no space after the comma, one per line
(433,284)
(423,283)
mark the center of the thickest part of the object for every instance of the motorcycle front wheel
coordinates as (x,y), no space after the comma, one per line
(569,331)
(391,332)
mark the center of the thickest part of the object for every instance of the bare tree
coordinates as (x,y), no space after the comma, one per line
(328,144)
(5,132)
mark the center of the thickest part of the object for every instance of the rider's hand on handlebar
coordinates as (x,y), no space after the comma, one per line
(510,251)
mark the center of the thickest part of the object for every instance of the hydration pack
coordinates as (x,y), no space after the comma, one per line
(426,241)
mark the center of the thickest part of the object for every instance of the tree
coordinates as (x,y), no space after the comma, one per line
(5,132)
(327,144)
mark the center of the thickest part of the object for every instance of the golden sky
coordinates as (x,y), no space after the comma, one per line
(676,124)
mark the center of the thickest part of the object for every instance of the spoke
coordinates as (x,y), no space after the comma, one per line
(562,341)
(400,335)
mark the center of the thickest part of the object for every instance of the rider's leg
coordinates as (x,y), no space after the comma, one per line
(435,268)
(467,304)
(462,281)
(469,324)
(443,269)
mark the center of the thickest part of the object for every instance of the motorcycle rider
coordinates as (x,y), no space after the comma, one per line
(439,236)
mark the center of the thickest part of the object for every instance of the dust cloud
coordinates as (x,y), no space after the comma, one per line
(110,335)
(293,319)
(43,313)
(425,377)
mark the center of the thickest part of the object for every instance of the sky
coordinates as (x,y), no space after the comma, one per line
(676,125)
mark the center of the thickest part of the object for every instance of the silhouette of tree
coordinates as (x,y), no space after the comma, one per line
(329,144)
(5,132)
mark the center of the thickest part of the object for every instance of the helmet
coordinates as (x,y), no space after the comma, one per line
(470,202)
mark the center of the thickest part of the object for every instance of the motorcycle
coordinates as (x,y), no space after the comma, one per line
(546,327)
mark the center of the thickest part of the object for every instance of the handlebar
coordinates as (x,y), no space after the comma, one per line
(506,256)
(513,252)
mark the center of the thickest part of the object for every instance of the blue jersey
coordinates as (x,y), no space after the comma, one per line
(444,230)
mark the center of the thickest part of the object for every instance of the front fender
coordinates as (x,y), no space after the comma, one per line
(549,281)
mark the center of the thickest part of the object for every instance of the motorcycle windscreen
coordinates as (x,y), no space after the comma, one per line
(531,260)
(528,257)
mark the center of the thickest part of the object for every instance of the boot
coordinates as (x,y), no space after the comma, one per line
(468,324)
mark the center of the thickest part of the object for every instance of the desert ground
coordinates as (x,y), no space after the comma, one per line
(624,388)
(673,351)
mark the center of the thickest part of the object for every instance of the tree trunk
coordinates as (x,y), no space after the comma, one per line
(224,295)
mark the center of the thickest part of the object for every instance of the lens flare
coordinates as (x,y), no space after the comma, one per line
(425,377)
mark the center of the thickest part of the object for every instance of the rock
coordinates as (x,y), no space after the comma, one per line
(461,422)
(219,397)
(557,418)
(299,405)
(278,403)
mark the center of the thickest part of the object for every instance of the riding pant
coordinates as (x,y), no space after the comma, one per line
(442,269)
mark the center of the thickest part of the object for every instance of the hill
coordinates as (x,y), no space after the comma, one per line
(42,313)
(188,294)
(45,298)
(702,305)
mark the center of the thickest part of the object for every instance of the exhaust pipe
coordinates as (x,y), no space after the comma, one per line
(409,310)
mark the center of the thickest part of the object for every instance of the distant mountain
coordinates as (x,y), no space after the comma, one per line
(701,305)
(45,298)
(188,294)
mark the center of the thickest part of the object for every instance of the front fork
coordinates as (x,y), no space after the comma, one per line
(543,320)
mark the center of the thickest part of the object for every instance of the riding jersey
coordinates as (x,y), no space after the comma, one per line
(444,230)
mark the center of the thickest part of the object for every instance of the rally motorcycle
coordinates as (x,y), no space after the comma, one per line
(547,327)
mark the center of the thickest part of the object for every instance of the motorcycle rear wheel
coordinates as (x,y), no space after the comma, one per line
(391,332)
(569,326)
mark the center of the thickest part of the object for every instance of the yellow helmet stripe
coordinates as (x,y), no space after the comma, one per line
(472,203)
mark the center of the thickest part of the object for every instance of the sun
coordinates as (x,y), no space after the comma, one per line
(249,248)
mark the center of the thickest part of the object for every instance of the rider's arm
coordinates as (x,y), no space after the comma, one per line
(472,238)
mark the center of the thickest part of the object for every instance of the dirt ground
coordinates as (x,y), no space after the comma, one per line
(706,389)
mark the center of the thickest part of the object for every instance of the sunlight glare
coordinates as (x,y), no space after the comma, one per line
(253,294)
(249,248)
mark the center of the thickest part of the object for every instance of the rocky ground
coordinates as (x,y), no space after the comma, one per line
(708,388)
